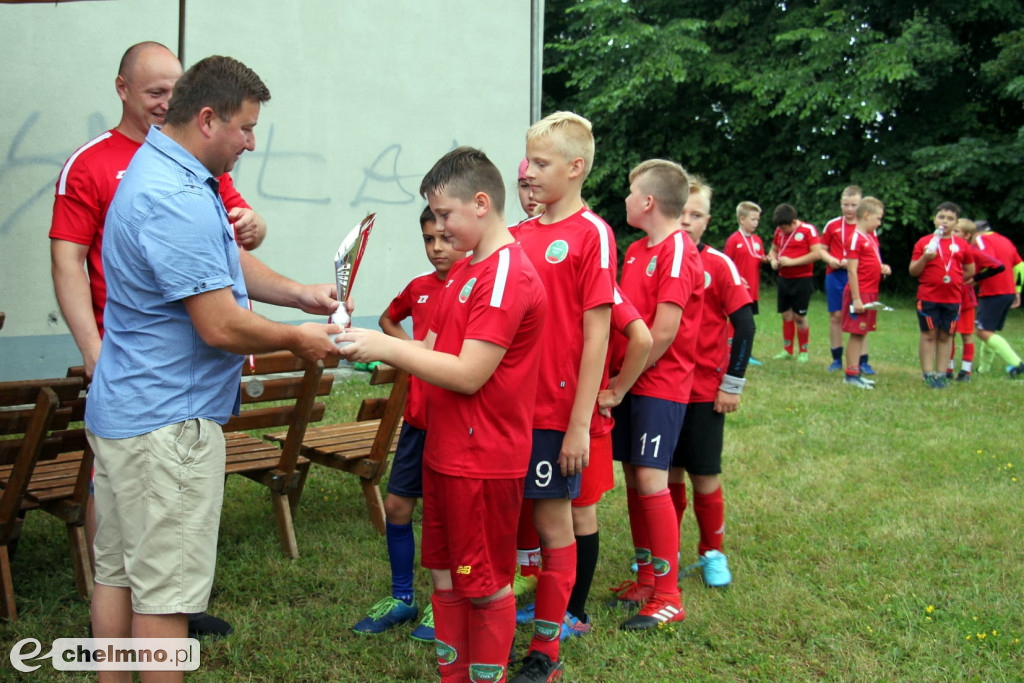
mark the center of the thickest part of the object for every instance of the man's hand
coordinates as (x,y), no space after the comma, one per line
(318,299)
(315,341)
(250,228)
(575,453)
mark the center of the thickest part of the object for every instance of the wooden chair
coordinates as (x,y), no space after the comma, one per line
(29,410)
(362,447)
(285,398)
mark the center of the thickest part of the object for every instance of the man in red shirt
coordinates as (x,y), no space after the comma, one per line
(793,253)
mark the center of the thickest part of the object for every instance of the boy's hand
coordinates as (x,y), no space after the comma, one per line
(575,453)
(726,402)
(784,261)
(886,270)
(858,306)
(359,345)
(775,264)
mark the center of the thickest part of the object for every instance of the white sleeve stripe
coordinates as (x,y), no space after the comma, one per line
(677,254)
(616,296)
(62,186)
(736,279)
(500,279)
(602,236)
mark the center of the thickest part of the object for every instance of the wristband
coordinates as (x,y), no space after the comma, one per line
(732,385)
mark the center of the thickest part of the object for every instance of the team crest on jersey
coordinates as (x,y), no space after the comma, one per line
(557,251)
(652,266)
(467,289)
(757,247)
(707,279)
(423,298)
(799,237)
(954,248)
(446,654)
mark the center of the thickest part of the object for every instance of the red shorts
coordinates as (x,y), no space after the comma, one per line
(860,323)
(469,528)
(965,323)
(599,475)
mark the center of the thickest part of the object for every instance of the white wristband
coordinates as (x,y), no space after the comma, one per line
(732,385)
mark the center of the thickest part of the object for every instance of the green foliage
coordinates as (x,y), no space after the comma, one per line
(916,102)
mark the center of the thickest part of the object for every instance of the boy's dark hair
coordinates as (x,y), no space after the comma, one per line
(427,216)
(948,206)
(463,172)
(784,215)
(221,83)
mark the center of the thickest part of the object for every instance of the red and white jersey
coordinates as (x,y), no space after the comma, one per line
(575,259)
(800,242)
(724,294)
(747,252)
(942,279)
(668,272)
(418,299)
(1002,249)
(623,313)
(836,239)
(85,188)
(488,434)
(865,248)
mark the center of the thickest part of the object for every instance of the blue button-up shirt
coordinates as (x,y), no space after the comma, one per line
(166,238)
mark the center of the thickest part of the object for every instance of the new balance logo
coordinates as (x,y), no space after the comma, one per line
(464,569)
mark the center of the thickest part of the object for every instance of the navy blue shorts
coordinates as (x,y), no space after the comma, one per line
(835,283)
(646,431)
(992,310)
(699,450)
(933,316)
(406,478)
(544,478)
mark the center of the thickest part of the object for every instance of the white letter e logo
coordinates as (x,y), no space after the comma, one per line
(17,656)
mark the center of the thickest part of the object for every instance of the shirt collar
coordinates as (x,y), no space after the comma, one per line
(165,145)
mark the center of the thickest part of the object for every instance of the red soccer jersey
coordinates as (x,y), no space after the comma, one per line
(85,188)
(798,243)
(865,248)
(418,299)
(575,260)
(982,262)
(668,272)
(488,434)
(836,238)
(623,313)
(747,253)
(999,247)
(942,279)
(724,294)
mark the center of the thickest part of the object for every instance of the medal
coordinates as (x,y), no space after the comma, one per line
(947,279)
(254,388)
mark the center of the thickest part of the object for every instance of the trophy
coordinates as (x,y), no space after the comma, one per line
(346,264)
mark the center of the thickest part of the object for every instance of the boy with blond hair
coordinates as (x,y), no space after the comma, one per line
(865,272)
(573,252)
(984,267)
(746,250)
(835,238)
(482,347)
(718,382)
(663,278)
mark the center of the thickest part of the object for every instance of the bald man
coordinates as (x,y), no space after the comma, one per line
(85,188)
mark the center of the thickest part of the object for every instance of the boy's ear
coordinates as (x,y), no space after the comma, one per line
(576,167)
(482,204)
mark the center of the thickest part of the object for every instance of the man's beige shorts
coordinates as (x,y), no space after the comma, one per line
(158,502)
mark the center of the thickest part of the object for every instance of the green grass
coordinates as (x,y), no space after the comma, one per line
(872,536)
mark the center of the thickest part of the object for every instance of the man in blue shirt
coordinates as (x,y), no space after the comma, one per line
(177,326)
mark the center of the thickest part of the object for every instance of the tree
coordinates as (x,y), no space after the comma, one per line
(790,101)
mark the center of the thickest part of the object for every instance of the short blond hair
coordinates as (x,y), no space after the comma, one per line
(967,228)
(744,209)
(852,191)
(700,186)
(664,180)
(869,205)
(573,136)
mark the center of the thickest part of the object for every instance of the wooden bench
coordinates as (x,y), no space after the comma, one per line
(32,415)
(362,447)
(288,395)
